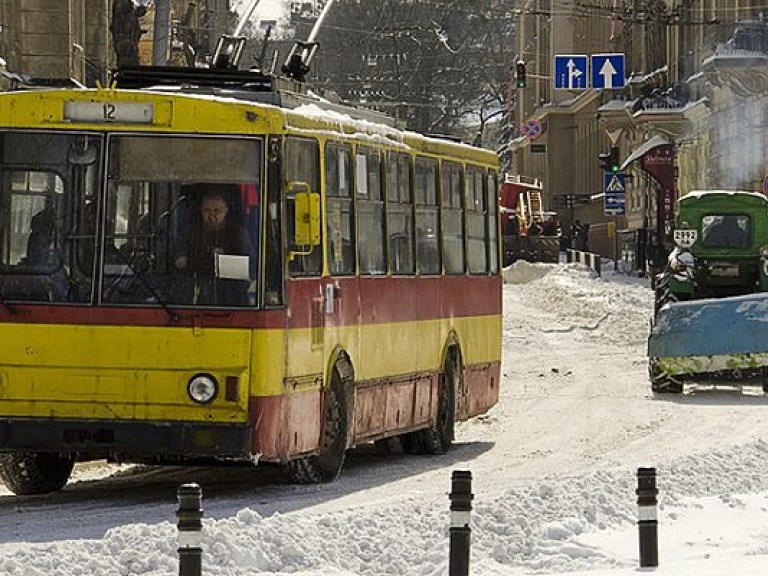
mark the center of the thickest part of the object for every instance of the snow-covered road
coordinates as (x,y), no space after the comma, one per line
(553,466)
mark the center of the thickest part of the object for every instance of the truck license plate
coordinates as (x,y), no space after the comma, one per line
(724,270)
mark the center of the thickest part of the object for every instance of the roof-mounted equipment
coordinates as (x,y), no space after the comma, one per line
(299,59)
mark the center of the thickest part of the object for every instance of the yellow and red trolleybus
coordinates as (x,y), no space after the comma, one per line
(353,294)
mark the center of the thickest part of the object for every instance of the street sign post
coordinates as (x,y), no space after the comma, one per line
(608,70)
(571,72)
(615,196)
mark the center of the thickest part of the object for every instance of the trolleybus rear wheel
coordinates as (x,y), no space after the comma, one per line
(325,466)
(437,439)
(26,473)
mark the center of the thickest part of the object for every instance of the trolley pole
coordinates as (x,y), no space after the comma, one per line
(460,532)
(647,522)
(190,525)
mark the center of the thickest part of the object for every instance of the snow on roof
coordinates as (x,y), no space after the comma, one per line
(365,129)
(702,193)
(640,78)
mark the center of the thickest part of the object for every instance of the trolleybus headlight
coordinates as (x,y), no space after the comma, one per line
(202,388)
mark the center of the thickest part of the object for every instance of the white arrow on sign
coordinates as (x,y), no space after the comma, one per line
(607,71)
(573,73)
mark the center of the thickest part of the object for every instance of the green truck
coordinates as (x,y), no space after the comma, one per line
(711,300)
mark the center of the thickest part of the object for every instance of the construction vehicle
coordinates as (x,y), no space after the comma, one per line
(529,232)
(711,300)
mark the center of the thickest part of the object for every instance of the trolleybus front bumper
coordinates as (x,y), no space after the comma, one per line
(127,440)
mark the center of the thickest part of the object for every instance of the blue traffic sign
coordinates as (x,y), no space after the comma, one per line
(571,72)
(615,197)
(608,70)
(615,203)
(614,182)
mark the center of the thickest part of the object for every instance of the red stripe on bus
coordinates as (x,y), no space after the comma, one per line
(384,299)
(364,300)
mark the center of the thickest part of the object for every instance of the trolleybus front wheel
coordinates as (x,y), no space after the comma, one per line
(325,466)
(26,473)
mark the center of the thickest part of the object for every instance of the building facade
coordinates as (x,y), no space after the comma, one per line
(56,39)
(63,39)
(689,117)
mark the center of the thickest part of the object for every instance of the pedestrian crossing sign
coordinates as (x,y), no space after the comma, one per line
(615,198)
(614,182)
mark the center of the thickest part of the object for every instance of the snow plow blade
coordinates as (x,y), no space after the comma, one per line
(709,336)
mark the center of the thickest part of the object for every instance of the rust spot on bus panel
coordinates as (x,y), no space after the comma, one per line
(285,425)
(482,390)
(385,405)
(426,390)
(370,407)
(400,405)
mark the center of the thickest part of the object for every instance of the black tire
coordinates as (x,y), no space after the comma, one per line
(407,443)
(26,473)
(662,294)
(384,447)
(438,438)
(662,383)
(326,465)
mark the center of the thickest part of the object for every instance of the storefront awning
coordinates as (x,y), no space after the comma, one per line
(643,149)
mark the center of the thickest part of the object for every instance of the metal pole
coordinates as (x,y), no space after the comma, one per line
(161,32)
(190,525)
(615,243)
(647,522)
(460,532)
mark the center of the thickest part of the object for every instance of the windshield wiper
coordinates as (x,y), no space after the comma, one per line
(172,316)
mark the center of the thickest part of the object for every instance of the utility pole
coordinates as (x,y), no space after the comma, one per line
(161,32)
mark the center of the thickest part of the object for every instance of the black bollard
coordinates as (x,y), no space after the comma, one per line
(647,517)
(190,526)
(460,532)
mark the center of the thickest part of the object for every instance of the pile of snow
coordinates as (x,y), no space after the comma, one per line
(577,292)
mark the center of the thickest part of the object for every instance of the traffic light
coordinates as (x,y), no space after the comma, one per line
(520,79)
(609,161)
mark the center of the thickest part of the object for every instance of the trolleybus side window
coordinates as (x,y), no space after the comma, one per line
(400,214)
(300,188)
(182,221)
(491,193)
(43,176)
(477,221)
(370,212)
(427,214)
(452,225)
(338,208)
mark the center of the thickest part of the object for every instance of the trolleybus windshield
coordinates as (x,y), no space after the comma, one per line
(182,221)
(155,220)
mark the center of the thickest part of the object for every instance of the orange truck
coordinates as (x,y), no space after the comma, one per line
(529,232)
